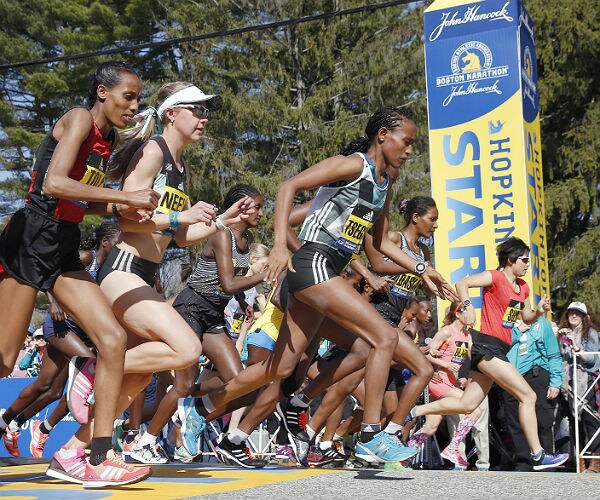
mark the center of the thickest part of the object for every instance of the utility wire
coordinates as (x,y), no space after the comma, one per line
(205,36)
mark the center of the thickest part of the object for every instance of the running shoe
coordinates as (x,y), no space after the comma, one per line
(182,455)
(82,372)
(118,435)
(151,454)
(395,466)
(294,420)
(113,472)
(328,458)
(212,443)
(383,448)
(70,469)
(285,456)
(239,453)
(192,425)
(128,446)
(38,439)
(547,461)
(453,455)
(11,441)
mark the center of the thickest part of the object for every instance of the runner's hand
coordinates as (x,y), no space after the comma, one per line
(438,285)
(279,259)
(200,212)
(379,283)
(239,211)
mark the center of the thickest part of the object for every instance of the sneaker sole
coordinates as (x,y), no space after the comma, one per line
(371,458)
(62,475)
(451,459)
(71,380)
(104,484)
(231,458)
(140,460)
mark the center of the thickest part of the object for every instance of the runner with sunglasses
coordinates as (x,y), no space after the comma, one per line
(505,302)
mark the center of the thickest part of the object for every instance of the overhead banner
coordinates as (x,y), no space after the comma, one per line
(484,137)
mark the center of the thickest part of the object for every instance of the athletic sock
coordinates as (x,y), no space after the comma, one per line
(367,431)
(99,449)
(538,455)
(204,406)
(13,427)
(300,400)
(462,429)
(45,427)
(130,435)
(325,445)
(236,436)
(147,438)
(393,428)
(20,419)
(311,432)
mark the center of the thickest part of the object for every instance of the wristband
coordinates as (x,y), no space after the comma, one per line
(219,224)
(173,220)
(115,210)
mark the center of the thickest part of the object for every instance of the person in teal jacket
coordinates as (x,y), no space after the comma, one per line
(32,361)
(536,354)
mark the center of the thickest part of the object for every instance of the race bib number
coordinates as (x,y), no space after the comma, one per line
(406,285)
(95,166)
(236,324)
(512,313)
(355,228)
(460,353)
(173,200)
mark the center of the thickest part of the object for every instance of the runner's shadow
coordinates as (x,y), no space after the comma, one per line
(372,474)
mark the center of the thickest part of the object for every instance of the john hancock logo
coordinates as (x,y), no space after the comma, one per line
(473,72)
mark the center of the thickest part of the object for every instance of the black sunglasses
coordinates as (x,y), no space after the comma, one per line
(198,110)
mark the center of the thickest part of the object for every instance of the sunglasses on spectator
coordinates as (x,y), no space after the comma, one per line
(198,110)
(524,259)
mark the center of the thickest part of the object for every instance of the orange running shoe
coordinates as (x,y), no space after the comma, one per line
(113,472)
(11,441)
(38,439)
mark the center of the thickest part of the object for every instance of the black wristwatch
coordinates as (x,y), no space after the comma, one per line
(420,267)
(466,303)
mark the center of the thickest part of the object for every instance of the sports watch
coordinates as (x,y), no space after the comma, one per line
(466,303)
(420,267)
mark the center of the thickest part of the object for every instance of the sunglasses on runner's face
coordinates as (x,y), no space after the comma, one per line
(524,259)
(198,110)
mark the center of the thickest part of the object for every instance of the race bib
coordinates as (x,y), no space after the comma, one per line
(173,200)
(460,353)
(406,285)
(355,228)
(512,313)
(236,323)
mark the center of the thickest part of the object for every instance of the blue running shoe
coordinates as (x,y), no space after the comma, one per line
(384,448)
(192,425)
(546,461)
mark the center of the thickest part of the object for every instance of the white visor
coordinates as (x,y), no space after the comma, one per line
(190,95)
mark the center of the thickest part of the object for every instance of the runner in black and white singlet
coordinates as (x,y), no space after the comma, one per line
(333,232)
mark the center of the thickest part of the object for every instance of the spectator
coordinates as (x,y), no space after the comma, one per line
(577,335)
(536,354)
(32,360)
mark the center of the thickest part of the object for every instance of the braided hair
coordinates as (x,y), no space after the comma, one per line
(108,74)
(238,192)
(389,118)
(419,205)
(105,230)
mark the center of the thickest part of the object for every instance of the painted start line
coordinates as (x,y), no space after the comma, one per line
(170,481)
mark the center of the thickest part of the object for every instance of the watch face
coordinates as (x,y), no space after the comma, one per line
(420,268)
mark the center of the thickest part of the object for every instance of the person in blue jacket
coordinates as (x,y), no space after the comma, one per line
(536,354)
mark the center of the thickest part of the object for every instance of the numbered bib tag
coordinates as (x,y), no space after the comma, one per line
(512,313)
(95,168)
(355,228)
(172,200)
(236,323)
(460,353)
(406,285)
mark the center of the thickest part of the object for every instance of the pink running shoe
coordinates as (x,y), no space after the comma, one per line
(417,440)
(113,472)
(81,386)
(128,447)
(38,439)
(454,456)
(71,468)
(11,441)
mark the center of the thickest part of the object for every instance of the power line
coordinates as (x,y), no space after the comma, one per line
(206,36)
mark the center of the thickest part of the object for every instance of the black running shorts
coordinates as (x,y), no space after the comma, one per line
(315,263)
(202,316)
(487,346)
(35,248)
(121,260)
(395,380)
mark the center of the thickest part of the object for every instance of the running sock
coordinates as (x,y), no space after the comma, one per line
(325,445)
(300,400)
(45,427)
(147,438)
(417,439)
(99,449)
(393,428)
(13,427)
(20,419)
(237,436)
(462,429)
(205,407)
(368,431)
(130,435)
(538,455)
(311,432)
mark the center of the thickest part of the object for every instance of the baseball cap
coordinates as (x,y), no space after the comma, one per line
(578,306)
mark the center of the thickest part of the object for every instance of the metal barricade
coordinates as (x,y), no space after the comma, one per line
(580,404)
